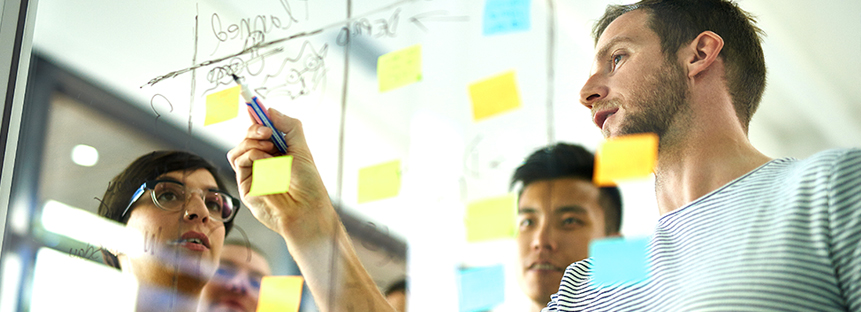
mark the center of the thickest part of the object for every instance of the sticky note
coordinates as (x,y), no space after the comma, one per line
(491,218)
(280,293)
(222,106)
(506,16)
(619,260)
(494,95)
(379,181)
(271,175)
(481,289)
(627,157)
(399,68)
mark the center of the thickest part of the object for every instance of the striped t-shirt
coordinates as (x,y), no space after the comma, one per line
(785,236)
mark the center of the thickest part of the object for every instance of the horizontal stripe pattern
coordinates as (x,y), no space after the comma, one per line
(784,237)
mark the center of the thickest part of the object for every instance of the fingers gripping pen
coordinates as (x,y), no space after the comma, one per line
(258,111)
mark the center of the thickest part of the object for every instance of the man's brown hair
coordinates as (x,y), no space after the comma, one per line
(678,22)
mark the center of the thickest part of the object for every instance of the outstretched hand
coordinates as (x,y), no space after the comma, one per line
(306,194)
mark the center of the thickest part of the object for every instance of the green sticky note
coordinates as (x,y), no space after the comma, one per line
(491,218)
(399,68)
(494,95)
(280,294)
(222,106)
(271,175)
(379,181)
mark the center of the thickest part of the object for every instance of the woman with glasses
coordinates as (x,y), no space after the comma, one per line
(177,202)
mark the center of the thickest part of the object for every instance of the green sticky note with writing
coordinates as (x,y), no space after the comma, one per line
(222,106)
(280,294)
(494,95)
(491,218)
(271,175)
(399,68)
(379,181)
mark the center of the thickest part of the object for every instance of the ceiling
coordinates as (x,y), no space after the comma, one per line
(812,102)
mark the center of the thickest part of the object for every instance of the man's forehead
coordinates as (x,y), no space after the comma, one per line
(632,26)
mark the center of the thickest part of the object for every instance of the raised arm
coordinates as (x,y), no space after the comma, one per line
(305,218)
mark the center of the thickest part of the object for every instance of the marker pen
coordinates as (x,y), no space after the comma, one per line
(258,111)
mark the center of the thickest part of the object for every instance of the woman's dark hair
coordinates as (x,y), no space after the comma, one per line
(148,167)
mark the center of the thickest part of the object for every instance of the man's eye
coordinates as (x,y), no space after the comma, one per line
(617,58)
(525,222)
(571,221)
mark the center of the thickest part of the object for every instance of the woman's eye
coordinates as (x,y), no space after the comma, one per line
(168,196)
(525,222)
(213,206)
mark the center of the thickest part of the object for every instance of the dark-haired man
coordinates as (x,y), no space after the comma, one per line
(236,284)
(559,212)
(738,231)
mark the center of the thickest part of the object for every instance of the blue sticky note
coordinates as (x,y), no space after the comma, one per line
(481,288)
(506,16)
(619,260)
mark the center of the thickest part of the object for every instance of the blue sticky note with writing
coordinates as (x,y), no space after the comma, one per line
(619,260)
(481,288)
(506,16)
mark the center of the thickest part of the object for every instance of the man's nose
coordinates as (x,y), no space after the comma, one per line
(594,90)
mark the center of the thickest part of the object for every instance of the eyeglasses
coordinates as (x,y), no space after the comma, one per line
(172,195)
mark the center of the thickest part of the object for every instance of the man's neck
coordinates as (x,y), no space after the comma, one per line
(700,157)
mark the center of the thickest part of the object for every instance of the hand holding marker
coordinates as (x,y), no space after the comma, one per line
(258,111)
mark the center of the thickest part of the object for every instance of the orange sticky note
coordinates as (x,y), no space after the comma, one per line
(628,157)
(494,95)
(222,106)
(280,294)
(379,181)
(271,175)
(399,68)
(491,218)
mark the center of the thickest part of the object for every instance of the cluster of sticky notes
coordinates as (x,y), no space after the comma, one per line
(280,293)
(491,218)
(271,175)
(506,16)
(494,95)
(379,181)
(222,106)
(399,68)
(628,157)
(481,289)
(619,260)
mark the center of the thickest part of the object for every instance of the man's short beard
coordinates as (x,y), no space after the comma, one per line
(657,102)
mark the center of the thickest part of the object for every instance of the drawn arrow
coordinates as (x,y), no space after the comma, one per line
(436,16)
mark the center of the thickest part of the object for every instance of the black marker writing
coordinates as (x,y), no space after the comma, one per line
(377,28)
(87,253)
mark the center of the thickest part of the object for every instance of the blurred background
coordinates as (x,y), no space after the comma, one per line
(112,80)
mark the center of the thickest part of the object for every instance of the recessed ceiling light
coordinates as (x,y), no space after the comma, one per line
(85,155)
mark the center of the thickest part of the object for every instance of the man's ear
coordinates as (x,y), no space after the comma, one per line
(702,52)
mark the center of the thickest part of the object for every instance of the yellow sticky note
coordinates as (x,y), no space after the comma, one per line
(379,181)
(628,157)
(399,68)
(271,175)
(491,218)
(280,294)
(494,95)
(222,106)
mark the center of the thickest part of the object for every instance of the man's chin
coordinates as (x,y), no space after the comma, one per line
(227,307)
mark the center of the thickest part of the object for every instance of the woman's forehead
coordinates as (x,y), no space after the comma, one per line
(192,177)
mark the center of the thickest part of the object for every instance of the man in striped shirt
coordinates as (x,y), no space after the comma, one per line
(738,230)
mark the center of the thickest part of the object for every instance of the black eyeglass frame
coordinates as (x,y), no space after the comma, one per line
(150,185)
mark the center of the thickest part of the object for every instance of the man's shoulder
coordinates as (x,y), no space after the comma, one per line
(824,164)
